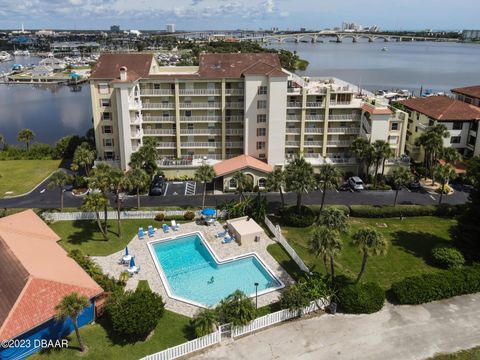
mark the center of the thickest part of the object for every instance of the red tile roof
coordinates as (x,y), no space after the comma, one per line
(443,108)
(239,163)
(108,65)
(374,110)
(472,91)
(45,274)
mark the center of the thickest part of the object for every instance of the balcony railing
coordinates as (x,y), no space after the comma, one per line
(149,118)
(201,144)
(159,131)
(344,130)
(294,118)
(234,118)
(313,143)
(135,105)
(313,130)
(314,104)
(345,117)
(207,105)
(339,142)
(234,131)
(200,118)
(166,145)
(314,117)
(292,131)
(234,144)
(234,91)
(158,105)
(292,143)
(137,134)
(234,105)
(334,102)
(200,92)
(205,131)
(156,92)
(294,104)
(313,155)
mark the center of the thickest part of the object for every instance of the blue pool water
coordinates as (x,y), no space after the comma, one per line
(189,267)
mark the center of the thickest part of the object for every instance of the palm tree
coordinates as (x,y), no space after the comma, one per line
(101,179)
(204,174)
(326,242)
(276,182)
(74,167)
(118,183)
(381,151)
(204,322)
(84,156)
(328,179)
(400,177)
(370,243)
(432,142)
(71,306)
(58,180)
(146,157)
(96,202)
(299,178)
(450,155)
(335,219)
(242,182)
(388,153)
(26,136)
(364,152)
(445,173)
(137,179)
(236,309)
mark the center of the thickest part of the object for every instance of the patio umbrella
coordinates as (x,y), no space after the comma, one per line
(126,250)
(132,262)
(208,212)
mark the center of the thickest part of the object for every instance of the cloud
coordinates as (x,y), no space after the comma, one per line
(269,6)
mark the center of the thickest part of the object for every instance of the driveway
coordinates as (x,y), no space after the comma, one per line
(396,332)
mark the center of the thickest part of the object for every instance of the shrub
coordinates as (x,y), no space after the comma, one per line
(189,215)
(448,257)
(291,218)
(430,287)
(135,313)
(160,217)
(204,322)
(361,298)
(293,298)
(236,309)
(385,211)
(344,208)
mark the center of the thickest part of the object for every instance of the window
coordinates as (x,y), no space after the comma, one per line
(109,155)
(261,132)
(261,156)
(166,114)
(260,145)
(261,118)
(472,140)
(262,182)
(156,86)
(455,139)
(106,116)
(105,102)
(107,129)
(261,104)
(103,89)
(457,126)
(190,126)
(188,113)
(393,140)
(262,90)
(232,184)
(394,126)
(108,142)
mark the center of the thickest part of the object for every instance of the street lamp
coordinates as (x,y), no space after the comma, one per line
(256,295)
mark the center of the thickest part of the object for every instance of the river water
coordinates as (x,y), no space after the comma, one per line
(53,111)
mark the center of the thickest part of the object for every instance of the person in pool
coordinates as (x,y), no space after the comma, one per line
(211,281)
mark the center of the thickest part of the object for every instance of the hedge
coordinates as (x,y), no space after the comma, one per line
(430,287)
(361,298)
(290,217)
(448,257)
(344,208)
(385,211)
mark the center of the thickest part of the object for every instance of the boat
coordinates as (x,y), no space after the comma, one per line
(21,53)
(4,56)
(384,49)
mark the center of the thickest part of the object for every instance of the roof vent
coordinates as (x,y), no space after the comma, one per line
(123,73)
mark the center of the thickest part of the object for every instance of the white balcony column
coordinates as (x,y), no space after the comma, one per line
(302,119)
(177,118)
(224,125)
(122,96)
(325,122)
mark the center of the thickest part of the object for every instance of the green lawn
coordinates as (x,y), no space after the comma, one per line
(85,235)
(410,240)
(21,176)
(171,330)
(471,354)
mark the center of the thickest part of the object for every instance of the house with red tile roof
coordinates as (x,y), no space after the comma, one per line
(35,274)
(468,94)
(460,118)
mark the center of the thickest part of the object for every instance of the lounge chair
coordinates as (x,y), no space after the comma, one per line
(165,228)
(174,225)
(141,233)
(221,234)
(228,239)
(210,221)
(151,233)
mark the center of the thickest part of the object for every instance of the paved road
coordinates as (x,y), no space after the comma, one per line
(41,197)
(396,332)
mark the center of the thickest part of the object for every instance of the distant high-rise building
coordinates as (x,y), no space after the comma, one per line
(115,28)
(171,28)
(303,29)
(470,35)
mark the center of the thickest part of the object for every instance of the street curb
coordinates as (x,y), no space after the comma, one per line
(35,188)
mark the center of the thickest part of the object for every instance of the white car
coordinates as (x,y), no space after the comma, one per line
(355,183)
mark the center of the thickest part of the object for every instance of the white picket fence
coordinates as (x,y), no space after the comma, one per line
(236,331)
(277,232)
(186,348)
(81,215)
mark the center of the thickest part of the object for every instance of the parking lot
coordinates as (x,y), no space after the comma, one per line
(183,188)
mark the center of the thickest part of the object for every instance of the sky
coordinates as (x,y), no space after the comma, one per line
(239,14)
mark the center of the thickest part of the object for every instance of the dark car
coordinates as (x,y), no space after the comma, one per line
(414,185)
(157,186)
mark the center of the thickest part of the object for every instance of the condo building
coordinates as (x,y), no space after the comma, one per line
(231,105)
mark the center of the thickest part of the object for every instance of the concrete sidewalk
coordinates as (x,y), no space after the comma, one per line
(396,332)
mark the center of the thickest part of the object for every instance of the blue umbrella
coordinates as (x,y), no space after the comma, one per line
(208,212)
(126,250)
(132,262)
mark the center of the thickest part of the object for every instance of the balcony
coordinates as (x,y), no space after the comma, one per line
(156,92)
(313,130)
(200,92)
(159,132)
(339,143)
(137,134)
(334,102)
(292,143)
(314,117)
(235,118)
(158,105)
(234,132)
(312,155)
(166,145)
(345,117)
(234,92)
(344,130)
(168,119)
(207,105)
(292,131)
(294,90)
(201,118)
(313,143)
(135,105)
(201,144)
(234,144)
(136,120)
(205,131)
(294,104)
(294,118)
(314,104)
(234,105)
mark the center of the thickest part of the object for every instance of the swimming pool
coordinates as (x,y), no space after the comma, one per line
(191,272)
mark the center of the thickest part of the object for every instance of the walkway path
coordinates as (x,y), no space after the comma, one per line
(396,332)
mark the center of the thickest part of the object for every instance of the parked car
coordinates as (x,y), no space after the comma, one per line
(157,187)
(345,187)
(414,185)
(355,183)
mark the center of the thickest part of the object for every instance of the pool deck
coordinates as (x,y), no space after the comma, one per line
(143,258)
